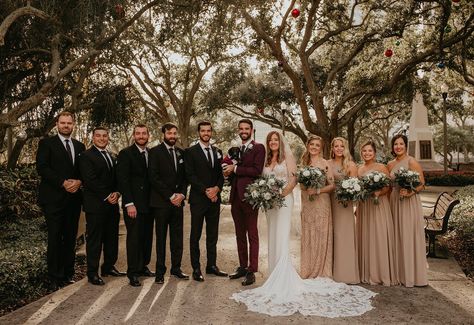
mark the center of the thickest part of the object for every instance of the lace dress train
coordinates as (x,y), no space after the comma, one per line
(284,292)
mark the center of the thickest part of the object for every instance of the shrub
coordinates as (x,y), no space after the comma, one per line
(452,179)
(23,238)
(462,229)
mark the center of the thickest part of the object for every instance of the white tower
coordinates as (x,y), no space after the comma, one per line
(420,141)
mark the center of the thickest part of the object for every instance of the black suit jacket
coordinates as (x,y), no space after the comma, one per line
(132,178)
(164,179)
(98,181)
(54,166)
(200,174)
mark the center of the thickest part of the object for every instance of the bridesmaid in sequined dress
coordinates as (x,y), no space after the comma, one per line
(316,217)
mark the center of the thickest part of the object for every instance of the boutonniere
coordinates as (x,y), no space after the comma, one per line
(178,154)
(250,146)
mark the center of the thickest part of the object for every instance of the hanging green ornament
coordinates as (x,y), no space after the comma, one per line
(447,29)
(397,42)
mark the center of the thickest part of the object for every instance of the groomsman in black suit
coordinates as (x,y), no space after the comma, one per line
(168,191)
(204,173)
(133,184)
(60,197)
(100,204)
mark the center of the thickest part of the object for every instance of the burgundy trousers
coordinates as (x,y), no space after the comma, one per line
(246,232)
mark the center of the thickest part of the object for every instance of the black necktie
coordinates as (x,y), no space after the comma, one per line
(242,150)
(143,153)
(68,149)
(208,154)
(109,163)
(173,157)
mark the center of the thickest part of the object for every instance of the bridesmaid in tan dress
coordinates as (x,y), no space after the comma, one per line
(316,219)
(410,247)
(346,264)
(375,228)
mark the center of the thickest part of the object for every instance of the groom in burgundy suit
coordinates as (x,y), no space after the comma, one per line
(252,158)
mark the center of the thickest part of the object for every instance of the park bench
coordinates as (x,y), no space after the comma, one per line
(437,221)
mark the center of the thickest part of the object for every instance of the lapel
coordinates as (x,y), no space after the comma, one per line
(247,149)
(137,154)
(101,158)
(63,150)
(167,154)
(202,155)
(76,150)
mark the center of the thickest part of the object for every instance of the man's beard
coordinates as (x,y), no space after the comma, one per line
(170,142)
(65,134)
(205,141)
(242,137)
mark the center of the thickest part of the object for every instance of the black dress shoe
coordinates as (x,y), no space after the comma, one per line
(160,279)
(146,272)
(96,280)
(113,272)
(134,282)
(180,275)
(197,275)
(215,270)
(249,279)
(239,272)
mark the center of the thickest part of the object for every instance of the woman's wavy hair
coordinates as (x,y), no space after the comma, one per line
(305,157)
(346,156)
(281,148)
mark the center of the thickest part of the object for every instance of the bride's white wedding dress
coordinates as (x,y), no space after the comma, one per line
(284,292)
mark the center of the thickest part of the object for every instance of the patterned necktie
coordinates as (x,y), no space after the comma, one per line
(68,149)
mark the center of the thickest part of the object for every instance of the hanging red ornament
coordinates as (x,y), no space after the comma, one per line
(295,13)
(260,110)
(388,53)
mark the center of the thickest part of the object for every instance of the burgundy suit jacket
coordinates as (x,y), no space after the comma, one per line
(249,168)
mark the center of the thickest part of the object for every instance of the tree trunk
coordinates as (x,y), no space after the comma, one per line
(15,154)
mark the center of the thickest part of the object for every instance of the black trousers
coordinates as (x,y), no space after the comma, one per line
(199,213)
(62,221)
(102,234)
(139,241)
(149,220)
(171,217)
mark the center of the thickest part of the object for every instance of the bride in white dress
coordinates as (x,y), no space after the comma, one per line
(284,292)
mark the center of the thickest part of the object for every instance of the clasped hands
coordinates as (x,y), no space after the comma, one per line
(406,193)
(113,197)
(212,192)
(72,185)
(177,199)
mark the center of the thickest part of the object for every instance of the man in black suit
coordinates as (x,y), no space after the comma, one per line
(204,173)
(100,204)
(168,191)
(133,184)
(60,197)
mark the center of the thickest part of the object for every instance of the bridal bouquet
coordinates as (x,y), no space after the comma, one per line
(349,189)
(265,192)
(407,179)
(311,177)
(374,181)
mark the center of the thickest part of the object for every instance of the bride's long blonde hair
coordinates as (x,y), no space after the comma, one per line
(346,156)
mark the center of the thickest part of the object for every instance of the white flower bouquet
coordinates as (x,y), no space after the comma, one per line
(374,181)
(407,179)
(349,189)
(265,192)
(311,177)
